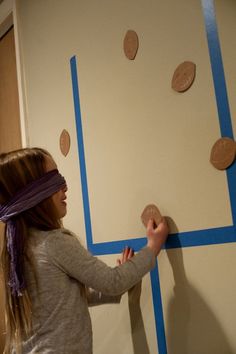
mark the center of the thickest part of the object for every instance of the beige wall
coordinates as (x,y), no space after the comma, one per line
(143,143)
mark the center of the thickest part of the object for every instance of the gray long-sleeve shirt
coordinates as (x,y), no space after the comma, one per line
(61,321)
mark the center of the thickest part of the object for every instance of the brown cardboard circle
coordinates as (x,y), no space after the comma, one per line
(65,142)
(223,153)
(131,44)
(151,212)
(183,76)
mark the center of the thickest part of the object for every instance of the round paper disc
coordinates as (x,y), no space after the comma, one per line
(151,212)
(65,142)
(130,44)
(183,76)
(223,153)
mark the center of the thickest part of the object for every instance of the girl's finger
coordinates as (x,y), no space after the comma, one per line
(123,256)
(150,224)
(126,252)
(131,253)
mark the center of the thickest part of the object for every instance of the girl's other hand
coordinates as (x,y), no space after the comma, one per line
(126,255)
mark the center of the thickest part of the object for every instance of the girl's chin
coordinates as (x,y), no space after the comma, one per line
(63,211)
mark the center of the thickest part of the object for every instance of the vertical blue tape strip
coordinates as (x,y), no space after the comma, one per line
(154,274)
(83,174)
(158,311)
(220,91)
(217,68)
(201,237)
(231,176)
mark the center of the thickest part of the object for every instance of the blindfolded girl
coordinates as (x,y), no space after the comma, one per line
(50,278)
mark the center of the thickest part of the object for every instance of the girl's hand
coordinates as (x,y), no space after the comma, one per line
(125,256)
(156,235)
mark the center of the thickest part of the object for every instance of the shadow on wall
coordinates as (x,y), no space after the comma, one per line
(138,334)
(192,326)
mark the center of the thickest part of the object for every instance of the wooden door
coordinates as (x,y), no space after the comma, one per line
(10,134)
(10,137)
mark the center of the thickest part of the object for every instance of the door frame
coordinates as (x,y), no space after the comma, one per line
(7,21)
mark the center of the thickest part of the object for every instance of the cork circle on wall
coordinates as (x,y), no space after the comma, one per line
(223,153)
(184,76)
(151,211)
(65,142)
(131,44)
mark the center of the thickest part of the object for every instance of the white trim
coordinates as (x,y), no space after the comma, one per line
(20,81)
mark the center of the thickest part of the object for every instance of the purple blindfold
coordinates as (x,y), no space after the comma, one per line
(26,198)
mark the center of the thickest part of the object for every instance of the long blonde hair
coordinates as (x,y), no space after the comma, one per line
(17,169)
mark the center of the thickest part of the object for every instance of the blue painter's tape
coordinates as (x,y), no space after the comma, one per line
(220,91)
(205,237)
(158,311)
(202,237)
(185,239)
(217,68)
(83,173)
(115,247)
(231,177)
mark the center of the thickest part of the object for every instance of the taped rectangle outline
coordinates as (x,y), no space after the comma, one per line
(212,236)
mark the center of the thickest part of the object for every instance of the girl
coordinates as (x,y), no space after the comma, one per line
(47,272)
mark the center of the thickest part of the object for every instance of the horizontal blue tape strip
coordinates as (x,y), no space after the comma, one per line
(114,247)
(202,237)
(185,239)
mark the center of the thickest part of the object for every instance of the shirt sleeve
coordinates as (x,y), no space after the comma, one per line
(66,252)
(95,298)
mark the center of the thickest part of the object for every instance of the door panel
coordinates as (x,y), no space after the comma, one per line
(10,135)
